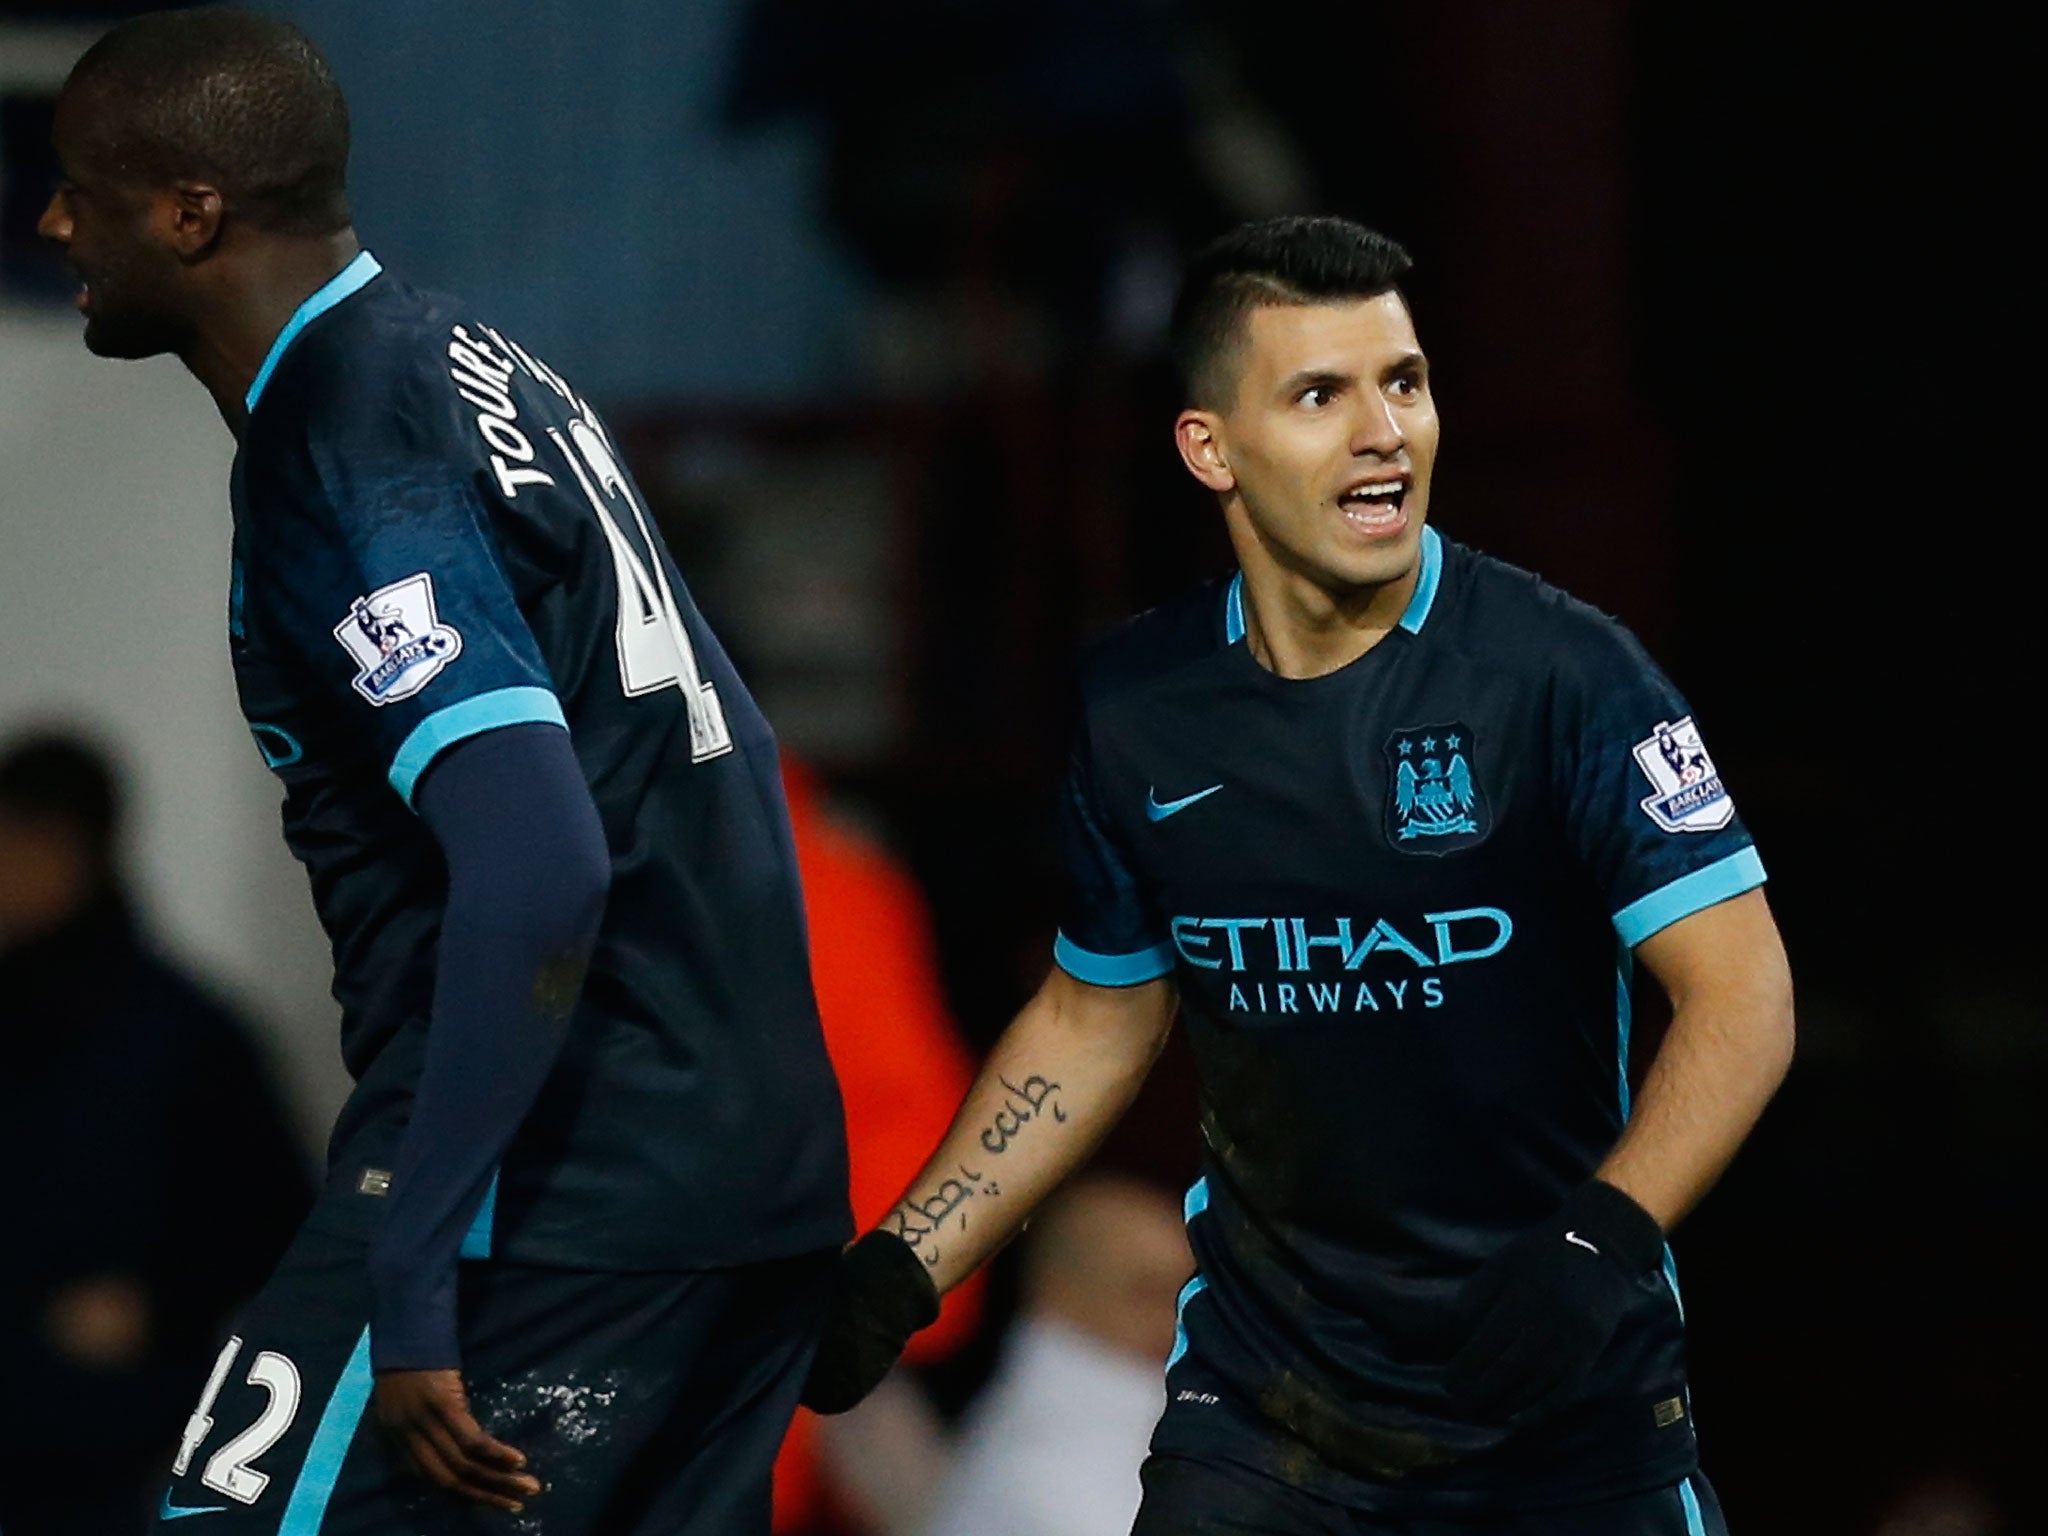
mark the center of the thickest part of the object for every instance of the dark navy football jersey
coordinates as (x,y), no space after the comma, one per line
(1399,901)
(434,537)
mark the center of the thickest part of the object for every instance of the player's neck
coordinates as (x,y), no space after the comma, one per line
(249,305)
(1296,627)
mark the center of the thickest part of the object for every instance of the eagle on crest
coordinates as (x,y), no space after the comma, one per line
(1436,800)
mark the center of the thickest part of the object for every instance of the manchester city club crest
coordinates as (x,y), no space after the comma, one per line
(1435,804)
(398,640)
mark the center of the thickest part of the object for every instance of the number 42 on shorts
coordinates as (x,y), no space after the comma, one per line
(228,1470)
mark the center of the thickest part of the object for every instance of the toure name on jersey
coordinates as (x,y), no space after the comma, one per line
(1258,952)
(482,371)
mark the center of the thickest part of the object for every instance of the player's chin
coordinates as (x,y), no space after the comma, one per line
(110,336)
(1362,559)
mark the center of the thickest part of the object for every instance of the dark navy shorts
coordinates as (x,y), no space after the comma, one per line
(1193,1498)
(1220,1468)
(645,1403)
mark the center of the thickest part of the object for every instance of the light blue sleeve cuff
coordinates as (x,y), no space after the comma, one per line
(1112,970)
(472,717)
(1739,872)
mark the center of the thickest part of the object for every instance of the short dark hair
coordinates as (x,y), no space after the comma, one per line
(241,100)
(59,778)
(1297,260)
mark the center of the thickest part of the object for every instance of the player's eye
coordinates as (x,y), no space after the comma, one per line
(1405,386)
(1316,396)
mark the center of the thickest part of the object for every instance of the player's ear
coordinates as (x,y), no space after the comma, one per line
(190,218)
(1199,436)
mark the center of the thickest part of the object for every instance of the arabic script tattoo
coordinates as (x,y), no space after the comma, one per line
(919,1222)
(1025,1104)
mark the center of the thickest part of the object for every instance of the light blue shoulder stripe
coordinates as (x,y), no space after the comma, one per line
(307,1510)
(471,717)
(1741,871)
(1112,970)
(348,281)
(1424,597)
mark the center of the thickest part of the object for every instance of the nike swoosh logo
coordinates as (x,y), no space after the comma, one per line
(171,1511)
(1156,812)
(1573,1237)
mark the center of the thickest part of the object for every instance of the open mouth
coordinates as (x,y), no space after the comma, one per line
(1376,508)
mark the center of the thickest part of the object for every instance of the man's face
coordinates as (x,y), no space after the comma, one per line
(1330,440)
(103,219)
(45,876)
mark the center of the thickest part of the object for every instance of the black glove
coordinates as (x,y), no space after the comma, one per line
(1539,1312)
(883,1296)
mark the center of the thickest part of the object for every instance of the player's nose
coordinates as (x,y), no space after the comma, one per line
(55,224)
(1376,429)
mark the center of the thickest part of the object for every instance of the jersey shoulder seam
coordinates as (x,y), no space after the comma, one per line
(1503,600)
(1151,646)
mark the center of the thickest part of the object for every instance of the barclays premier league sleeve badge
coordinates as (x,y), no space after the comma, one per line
(397,639)
(1690,796)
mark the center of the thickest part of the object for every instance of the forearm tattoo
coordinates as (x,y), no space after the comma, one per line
(919,1222)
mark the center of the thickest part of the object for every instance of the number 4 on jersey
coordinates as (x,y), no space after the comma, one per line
(654,647)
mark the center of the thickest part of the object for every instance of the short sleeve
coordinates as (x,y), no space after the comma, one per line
(1645,807)
(382,570)
(1109,935)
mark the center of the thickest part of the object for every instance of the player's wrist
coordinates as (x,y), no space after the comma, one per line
(883,1296)
(412,1319)
(1610,1219)
(893,1281)
(400,1347)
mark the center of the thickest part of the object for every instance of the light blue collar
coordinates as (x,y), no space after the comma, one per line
(1424,597)
(349,280)
(1412,618)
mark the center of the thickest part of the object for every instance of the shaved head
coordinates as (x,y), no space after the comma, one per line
(242,102)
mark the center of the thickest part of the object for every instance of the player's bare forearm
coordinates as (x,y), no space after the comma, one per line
(1059,1078)
(1728,1049)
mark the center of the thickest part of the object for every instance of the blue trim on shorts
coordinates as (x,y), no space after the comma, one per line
(307,1511)
(476,1242)
(1695,1521)
(469,717)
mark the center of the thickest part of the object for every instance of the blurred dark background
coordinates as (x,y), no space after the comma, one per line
(1717,304)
